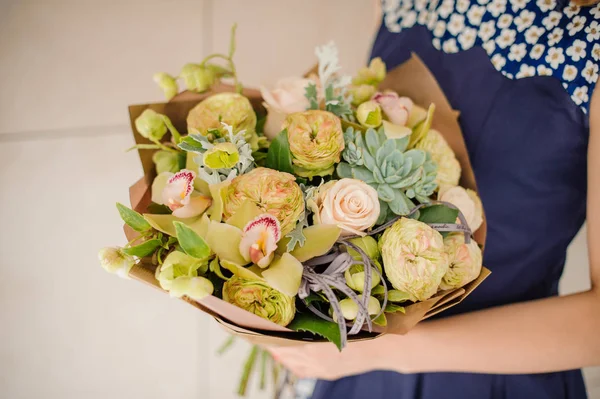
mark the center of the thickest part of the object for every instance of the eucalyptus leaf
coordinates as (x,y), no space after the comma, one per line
(191,242)
(133,219)
(279,156)
(144,249)
(438,214)
(313,324)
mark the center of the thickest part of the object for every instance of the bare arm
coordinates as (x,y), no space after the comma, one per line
(552,334)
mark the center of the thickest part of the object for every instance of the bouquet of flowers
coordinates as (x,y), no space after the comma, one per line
(327,207)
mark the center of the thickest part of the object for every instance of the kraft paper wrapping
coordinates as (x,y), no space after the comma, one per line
(412,79)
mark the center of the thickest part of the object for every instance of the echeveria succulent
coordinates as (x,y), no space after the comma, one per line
(316,142)
(232,109)
(448,172)
(398,175)
(259,298)
(273,192)
(413,258)
(465,261)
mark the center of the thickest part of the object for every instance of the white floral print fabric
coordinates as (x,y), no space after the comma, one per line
(523,38)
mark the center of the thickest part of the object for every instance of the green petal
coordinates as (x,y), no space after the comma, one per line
(217,192)
(319,240)
(241,271)
(284,274)
(224,240)
(421,129)
(192,287)
(244,214)
(164,223)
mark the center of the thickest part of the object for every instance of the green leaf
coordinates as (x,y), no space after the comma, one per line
(311,95)
(144,249)
(381,320)
(143,147)
(393,308)
(191,242)
(379,290)
(158,209)
(315,325)
(438,214)
(279,156)
(314,297)
(215,267)
(133,219)
(189,144)
(397,296)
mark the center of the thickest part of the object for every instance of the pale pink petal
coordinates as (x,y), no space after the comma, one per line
(259,240)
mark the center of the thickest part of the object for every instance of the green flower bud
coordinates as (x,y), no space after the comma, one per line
(151,125)
(259,298)
(167,83)
(222,156)
(371,75)
(369,114)
(355,275)
(113,260)
(166,161)
(349,308)
(362,93)
(197,78)
(179,275)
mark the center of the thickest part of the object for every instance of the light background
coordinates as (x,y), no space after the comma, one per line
(68,70)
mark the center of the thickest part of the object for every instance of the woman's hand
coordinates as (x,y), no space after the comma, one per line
(324,361)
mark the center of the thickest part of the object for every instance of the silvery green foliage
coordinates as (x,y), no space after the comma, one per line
(335,88)
(398,175)
(199,144)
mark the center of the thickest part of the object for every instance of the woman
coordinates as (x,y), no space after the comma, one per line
(528,133)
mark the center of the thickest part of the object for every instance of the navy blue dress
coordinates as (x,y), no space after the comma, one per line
(507,69)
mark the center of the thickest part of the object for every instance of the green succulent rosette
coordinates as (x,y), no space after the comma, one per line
(400,176)
(316,142)
(414,258)
(232,109)
(274,192)
(259,298)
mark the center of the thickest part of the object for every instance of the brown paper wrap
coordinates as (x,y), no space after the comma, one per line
(412,79)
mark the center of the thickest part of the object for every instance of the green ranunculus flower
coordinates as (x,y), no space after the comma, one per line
(259,298)
(151,125)
(316,142)
(276,193)
(448,172)
(222,156)
(167,83)
(230,108)
(465,261)
(414,259)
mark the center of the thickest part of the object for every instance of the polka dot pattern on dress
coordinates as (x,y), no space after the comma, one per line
(523,38)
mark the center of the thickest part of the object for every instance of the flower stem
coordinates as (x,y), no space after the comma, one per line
(174,132)
(226,345)
(164,147)
(263,369)
(247,370)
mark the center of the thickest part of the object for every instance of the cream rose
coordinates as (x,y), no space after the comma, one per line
(287,97)
(350,204)
(466,201)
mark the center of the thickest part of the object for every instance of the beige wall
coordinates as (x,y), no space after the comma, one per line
(68,69)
